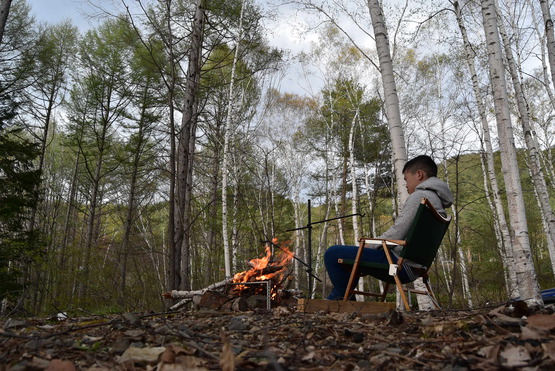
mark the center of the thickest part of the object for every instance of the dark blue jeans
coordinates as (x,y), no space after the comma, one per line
(339,273)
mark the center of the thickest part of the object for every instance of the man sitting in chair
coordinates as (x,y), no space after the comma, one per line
(421,181)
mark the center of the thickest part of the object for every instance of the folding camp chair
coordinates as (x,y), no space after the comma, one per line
(420,246)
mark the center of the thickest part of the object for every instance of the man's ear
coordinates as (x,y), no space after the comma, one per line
(421,174)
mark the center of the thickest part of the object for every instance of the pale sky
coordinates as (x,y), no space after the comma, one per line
(283,32)
(54,11)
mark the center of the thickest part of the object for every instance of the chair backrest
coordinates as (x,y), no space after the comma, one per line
(425,234)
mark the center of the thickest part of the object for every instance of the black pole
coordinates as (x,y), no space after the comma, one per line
(308,265)
(309,252)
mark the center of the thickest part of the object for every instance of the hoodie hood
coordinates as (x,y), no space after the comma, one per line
(438,186)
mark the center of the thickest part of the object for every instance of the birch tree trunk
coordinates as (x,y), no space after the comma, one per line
(227,135)
(504,243)
(393,112)
(550,35)
(186,149)
(543,57)
(354,199)
(319,252)
(532,146)
(524,266)
(298,237)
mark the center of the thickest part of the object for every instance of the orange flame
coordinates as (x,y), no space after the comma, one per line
(263,269)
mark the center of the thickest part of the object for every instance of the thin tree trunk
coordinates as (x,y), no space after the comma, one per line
(524,266)
(95,198)
(186,148)
(227,137)
(234,218)
(354,198)
(131,216)
(69,213)
(173,248)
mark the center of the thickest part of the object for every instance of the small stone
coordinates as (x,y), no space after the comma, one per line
(120,345)
(14,323)
(357,337)
(59,365)
(239,305)
(237,324)
(131,318)
(33,344)
(395,318)
(134,334)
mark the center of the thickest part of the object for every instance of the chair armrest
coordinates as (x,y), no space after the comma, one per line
(381,241)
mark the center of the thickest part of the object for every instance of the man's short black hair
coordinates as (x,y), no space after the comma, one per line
(422,162)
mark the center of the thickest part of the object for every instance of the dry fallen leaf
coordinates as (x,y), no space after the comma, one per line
(227,359)
(542,321)
(514,356)
(527,332)
(490,352)
(549,349)
(141,355)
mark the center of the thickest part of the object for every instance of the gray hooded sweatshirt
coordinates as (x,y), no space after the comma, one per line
(435,190)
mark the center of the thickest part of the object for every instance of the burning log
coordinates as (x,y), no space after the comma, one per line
(264,277)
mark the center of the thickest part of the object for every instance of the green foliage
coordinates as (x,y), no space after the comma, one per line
(18,187)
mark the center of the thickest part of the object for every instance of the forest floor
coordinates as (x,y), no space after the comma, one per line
(505,337)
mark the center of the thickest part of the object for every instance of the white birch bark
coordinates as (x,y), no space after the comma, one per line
(535,167)
(369,196)
(354,198)
(504,244)
(550,36)
(393,112)
(445,268)
(546,157)
(336,200)
(319,253)
(298,234)
(506,258)
(234,220)
(542,48)
(525,271)
(227,136)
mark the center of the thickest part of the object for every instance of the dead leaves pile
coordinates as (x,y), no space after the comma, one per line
(282,339)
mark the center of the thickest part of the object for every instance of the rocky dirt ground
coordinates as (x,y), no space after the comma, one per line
(505,337)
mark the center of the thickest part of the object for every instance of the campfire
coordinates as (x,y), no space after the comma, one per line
(271,267)
(263,284)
